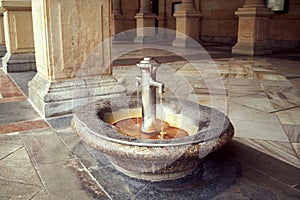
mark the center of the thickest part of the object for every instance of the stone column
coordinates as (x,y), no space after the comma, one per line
(117,25)
(73,56)
(253,29)
(2,37)
(145,18)
(18,36)
(187,24)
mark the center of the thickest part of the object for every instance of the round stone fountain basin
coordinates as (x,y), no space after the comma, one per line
(153,159)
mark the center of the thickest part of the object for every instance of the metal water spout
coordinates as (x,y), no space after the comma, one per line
(148,85)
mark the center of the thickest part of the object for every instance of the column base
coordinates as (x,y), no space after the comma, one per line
(187,28)
(18,62)
(252,49)
(63,97)
(2,51)
(146,31)
(145,39)
(185,42)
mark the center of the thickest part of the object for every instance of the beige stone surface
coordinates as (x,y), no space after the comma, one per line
(2,37)
(187,23)
(69,37)
(253,31)
(19,32)
(18,26)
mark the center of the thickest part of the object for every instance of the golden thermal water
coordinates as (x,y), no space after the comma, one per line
(132,127)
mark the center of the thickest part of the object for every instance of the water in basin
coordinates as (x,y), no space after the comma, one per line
(132,127)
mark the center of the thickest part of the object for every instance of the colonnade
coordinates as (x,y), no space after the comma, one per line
(252,26)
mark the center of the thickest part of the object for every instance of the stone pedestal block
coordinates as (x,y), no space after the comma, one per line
(63,97)
(188,28)
(145,28)
(18,62)
(18,30)
(253,31)
(73,55)
(2,51)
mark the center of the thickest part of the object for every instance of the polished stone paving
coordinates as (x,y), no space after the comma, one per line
(44,159)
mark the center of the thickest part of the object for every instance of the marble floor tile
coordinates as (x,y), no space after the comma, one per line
(263,67)
(13,190)
(10,94)
(219,102)
(246,113)
(45,147)
(244,82)
(86,155)
(63,181)
(283,97)
(267,83)
(16,112)
(60,122)
(11,138)
(41,195)
(283,151)
(22,79)
(213,83)
(290,116)
(12,172)
(259,130)
(258,101)
(23,126)
(292,131)
(241,68)
(270,76)
(255,124)
(13,99)
(140,53)
(297,149)
(7,149)
(295,82)
(244,87)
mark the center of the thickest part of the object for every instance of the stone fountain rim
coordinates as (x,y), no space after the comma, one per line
(88,117)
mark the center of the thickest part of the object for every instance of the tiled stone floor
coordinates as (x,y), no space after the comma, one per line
(38,161)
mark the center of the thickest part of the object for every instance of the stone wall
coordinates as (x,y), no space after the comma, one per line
(220,24)
(284,28)
(130,8)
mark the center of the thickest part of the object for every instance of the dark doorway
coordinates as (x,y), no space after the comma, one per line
(155,9)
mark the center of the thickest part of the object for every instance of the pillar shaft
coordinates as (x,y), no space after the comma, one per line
(253,29)
(145,6)
(72,54)
(18,31)
(187,5)
(2,37)
(117,7)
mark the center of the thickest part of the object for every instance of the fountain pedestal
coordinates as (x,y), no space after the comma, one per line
(147,159)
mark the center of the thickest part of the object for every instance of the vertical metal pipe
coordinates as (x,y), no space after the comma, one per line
(148,85)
